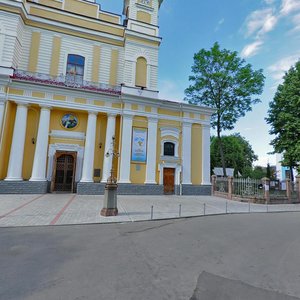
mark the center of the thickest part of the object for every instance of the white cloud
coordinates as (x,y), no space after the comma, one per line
(289,6)
(256,21)
(278,69)
(260,22)
(269,23)
(296,23)
(251,49)
(219,24)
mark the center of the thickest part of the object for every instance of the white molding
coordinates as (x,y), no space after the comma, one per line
(65,147)
(64,134)
(170,131)
(174,165)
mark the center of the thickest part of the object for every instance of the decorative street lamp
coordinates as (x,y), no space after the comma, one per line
(111,188)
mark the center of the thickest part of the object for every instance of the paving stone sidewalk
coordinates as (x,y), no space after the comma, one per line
(63,209)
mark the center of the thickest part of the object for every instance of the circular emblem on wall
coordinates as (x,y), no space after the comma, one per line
(69,121)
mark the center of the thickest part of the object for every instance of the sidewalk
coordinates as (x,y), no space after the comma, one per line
(62,209)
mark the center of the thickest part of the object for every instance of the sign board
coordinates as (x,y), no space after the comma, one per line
(139,145)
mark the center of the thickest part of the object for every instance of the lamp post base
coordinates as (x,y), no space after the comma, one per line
(110,200)
(109,212)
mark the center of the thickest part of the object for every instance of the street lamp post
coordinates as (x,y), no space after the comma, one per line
(111,188)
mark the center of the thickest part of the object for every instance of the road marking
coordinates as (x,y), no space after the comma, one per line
(21,206)
(53,222)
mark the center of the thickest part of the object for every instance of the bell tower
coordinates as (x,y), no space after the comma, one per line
(142,43)
(144,11)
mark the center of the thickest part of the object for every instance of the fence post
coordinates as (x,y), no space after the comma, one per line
(298,187)
(288,190)
(266,183)
(213,184)
(230,186)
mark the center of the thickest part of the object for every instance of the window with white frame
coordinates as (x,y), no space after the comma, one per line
(75,69)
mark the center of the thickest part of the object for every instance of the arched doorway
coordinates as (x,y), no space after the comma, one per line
(64,172)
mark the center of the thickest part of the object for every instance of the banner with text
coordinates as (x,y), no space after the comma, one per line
(139,145)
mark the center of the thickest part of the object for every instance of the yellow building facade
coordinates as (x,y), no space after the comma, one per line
(77,85)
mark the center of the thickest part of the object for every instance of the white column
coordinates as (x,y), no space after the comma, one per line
(206,154)
(110,132)
(17,146)
(126,149)
(40,155)
(2,108)
(186,152)
(89,149)
(151,152)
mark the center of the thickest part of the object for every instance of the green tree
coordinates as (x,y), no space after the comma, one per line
(284,118)
(258,172)
(225,82)
(238,154)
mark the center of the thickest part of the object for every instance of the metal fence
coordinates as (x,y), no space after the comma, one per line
(257,189)
(222,185)
(247,187)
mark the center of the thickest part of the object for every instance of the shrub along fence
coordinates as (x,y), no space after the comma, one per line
(255,190)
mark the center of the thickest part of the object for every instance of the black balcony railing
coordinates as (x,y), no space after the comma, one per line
(66,81)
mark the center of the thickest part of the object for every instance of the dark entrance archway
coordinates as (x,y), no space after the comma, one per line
(64,167)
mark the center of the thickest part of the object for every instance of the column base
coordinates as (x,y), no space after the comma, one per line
(13,179)
(187,183)
(86,181)
(109,212)
(38,179)
(150,182)
(124,181)
(206,183)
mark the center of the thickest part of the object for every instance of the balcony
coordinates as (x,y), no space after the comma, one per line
(66,81)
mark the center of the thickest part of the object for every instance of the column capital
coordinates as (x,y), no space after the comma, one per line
(3,98)
(186,124)
(91,112)
(45,106)
(25,104)
(111,115)
(127,116)
(153,119)
(205,126)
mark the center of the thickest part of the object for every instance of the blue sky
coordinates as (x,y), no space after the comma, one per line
(266,33)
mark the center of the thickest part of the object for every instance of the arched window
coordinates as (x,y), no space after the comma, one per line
(75,69)
(141,72)
(169,149)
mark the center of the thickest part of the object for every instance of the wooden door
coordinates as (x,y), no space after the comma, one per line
(169,181)
(64,172)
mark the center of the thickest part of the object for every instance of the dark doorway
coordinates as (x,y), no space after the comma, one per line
(64,172)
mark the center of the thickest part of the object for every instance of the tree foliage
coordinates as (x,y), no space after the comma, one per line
(284,118)
(238,154)
(225,82)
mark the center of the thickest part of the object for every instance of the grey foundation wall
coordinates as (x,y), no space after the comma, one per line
(140,189)
(123,189)
(36,187)
(23,187)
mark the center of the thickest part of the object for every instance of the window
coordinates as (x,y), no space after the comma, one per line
(75,69)
(169,149)
(141,72)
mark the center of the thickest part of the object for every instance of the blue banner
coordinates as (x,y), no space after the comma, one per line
(139,145)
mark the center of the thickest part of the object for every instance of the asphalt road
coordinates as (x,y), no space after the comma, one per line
(253,256)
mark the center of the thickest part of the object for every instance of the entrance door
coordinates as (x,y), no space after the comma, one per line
(64,172)
(169,181)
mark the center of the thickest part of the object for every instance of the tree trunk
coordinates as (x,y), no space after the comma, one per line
(292,174)
(222,154)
